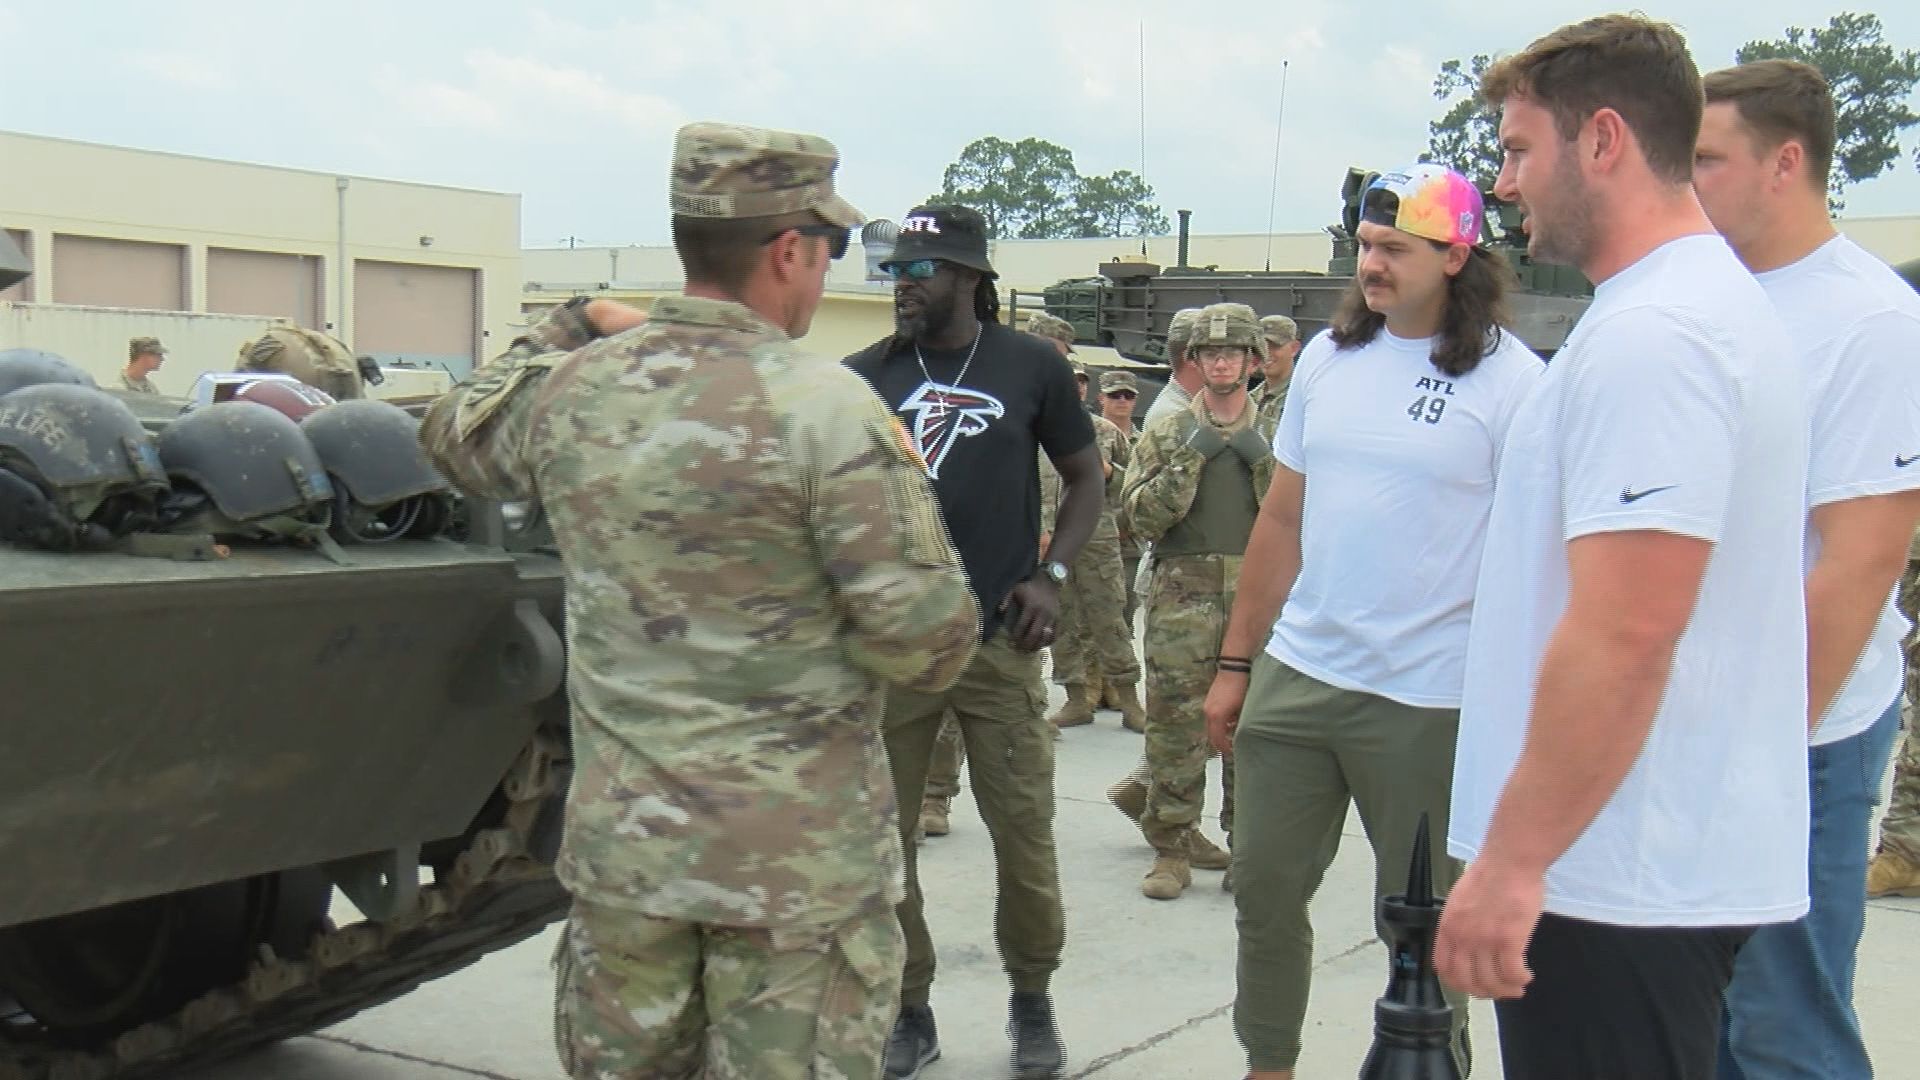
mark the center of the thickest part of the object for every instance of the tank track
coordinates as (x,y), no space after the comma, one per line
(497,894)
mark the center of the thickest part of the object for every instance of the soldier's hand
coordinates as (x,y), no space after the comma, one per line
(1207,441)
(611,317)
(1481,947)
(1250,446)
(1222,708)
(1034,605)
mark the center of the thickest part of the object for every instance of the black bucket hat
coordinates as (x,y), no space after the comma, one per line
(956,234)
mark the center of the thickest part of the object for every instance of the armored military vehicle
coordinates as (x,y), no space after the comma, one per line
(208,762)
(1128,305)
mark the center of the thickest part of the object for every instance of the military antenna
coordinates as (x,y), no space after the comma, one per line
(1273,194)
(1143,121)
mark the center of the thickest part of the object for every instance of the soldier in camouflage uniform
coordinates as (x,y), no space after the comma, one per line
(1094,647)
(1280,338)
(1895,869)
(144,357)
(752,553)
(1119,390)
(1194,492)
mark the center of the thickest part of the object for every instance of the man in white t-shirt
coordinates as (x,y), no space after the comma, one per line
(1630,789)
(1760,166)
(1359,583)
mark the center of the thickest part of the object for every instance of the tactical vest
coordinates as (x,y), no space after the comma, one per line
(1220,519)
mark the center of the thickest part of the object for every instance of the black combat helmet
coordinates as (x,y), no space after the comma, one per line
(253,464)
(33,367)
(76,468)
(386,488)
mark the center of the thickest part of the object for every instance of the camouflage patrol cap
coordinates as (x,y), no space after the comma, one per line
(1112,381)
(1051,327)
(1079,368)
(1225,324)
(1278,329)
(1180,327)
(731,171)
(145,346)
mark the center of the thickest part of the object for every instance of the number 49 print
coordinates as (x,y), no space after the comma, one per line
(1428,408)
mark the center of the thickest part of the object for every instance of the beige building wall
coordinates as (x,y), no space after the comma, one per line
(55,190)
(96,339)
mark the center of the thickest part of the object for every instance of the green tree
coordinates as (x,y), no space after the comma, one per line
(1031,189)
(1046,182)
(984,177)
(1466,138)
(1871,83)
(1118,204)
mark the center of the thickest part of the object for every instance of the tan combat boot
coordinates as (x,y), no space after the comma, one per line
(1132,716)
(1204,853)
(1096,691)
(1170,876)
(1079,707)
(933,815)
(1129,796)
(1892,875)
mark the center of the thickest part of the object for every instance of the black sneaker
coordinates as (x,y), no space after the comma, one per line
(912,1044)
(1038,1053)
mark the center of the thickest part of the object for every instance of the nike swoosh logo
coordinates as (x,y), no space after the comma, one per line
(1902,462)
(1628,495)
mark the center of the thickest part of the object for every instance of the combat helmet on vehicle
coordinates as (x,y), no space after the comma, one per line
(385,487)
(76,468)
(32,367)
(245,470)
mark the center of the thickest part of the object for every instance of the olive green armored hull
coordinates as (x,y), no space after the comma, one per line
(202,756)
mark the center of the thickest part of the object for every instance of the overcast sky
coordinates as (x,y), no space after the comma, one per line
(574,105)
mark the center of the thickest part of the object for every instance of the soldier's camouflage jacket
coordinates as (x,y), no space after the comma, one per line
(1166,468)
(751,552)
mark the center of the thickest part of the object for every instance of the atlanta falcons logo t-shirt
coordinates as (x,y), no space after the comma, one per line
(977,431)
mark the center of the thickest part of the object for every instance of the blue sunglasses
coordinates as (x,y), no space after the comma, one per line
(918,269)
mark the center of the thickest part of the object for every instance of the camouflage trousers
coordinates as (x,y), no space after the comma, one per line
(639,996)
(1900,826)
(949,753)
(1187,605)
(1093,626)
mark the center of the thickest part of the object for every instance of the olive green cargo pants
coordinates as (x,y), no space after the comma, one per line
(1000,703)
(1303,752)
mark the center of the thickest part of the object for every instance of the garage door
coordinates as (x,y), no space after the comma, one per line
(119,273)
(420,316)
(22,292)
(265,283)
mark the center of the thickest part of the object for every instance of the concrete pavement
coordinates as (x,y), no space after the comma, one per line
(1144,991)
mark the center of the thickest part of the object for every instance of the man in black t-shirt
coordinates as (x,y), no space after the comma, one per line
(978,401)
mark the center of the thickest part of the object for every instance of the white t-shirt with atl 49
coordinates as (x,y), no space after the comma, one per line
(1675,406)
(1400,460)
(1855,328)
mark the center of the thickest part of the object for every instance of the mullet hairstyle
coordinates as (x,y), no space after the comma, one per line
(1778,101)
(1476,315)
(1635,66)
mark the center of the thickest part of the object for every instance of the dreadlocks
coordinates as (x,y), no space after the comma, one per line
(986,300)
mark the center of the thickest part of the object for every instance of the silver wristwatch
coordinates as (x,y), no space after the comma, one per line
(1056,571)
